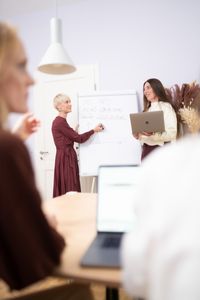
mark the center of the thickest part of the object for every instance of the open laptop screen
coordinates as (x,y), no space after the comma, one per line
(116,188)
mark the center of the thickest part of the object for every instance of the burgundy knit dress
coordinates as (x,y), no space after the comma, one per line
(66,170)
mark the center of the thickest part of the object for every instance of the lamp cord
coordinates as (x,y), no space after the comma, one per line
(56,8)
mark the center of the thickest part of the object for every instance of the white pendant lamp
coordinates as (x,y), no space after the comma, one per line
(56,59)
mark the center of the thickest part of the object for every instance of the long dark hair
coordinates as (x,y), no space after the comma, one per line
(158,89)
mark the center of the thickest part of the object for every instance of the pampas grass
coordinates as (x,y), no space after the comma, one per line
(186,101)
(190,117)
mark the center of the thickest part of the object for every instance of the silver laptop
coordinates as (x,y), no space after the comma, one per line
(147,122)
(115,214)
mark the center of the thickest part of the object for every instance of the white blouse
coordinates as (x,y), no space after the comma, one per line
(161,256)
(170,121)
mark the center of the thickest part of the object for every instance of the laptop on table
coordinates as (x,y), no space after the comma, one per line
(152,121)
(115,214)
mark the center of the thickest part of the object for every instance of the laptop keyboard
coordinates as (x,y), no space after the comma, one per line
(111,242)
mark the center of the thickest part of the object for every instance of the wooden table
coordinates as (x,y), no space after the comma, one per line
(76,221)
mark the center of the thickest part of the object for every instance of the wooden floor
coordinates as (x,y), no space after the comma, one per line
(99,293)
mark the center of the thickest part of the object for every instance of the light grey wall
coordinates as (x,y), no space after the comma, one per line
(131,40)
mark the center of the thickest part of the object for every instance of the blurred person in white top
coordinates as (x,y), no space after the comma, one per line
(161,256)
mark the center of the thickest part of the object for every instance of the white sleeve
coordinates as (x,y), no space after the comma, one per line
(136,245)
(135,264)
(139,244)
(170,132)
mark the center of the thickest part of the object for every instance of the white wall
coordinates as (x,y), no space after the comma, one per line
(131,40)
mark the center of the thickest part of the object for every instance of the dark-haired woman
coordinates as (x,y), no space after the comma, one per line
(155,99)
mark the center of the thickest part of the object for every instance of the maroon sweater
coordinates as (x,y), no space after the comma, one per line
(29,248)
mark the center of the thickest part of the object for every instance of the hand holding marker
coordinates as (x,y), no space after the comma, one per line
(99,127)
(102,126)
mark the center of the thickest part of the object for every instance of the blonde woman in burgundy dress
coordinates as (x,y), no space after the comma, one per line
(66,171)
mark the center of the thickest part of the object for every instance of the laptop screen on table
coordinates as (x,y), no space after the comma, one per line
(116,188)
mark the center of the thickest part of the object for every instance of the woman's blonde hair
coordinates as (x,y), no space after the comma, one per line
(8,40)
(60,98)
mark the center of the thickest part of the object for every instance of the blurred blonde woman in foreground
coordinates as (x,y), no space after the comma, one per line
(30,246)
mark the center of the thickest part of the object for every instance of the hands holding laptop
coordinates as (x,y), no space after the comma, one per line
(137,135)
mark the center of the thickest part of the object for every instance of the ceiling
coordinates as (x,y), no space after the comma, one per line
(11,8)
